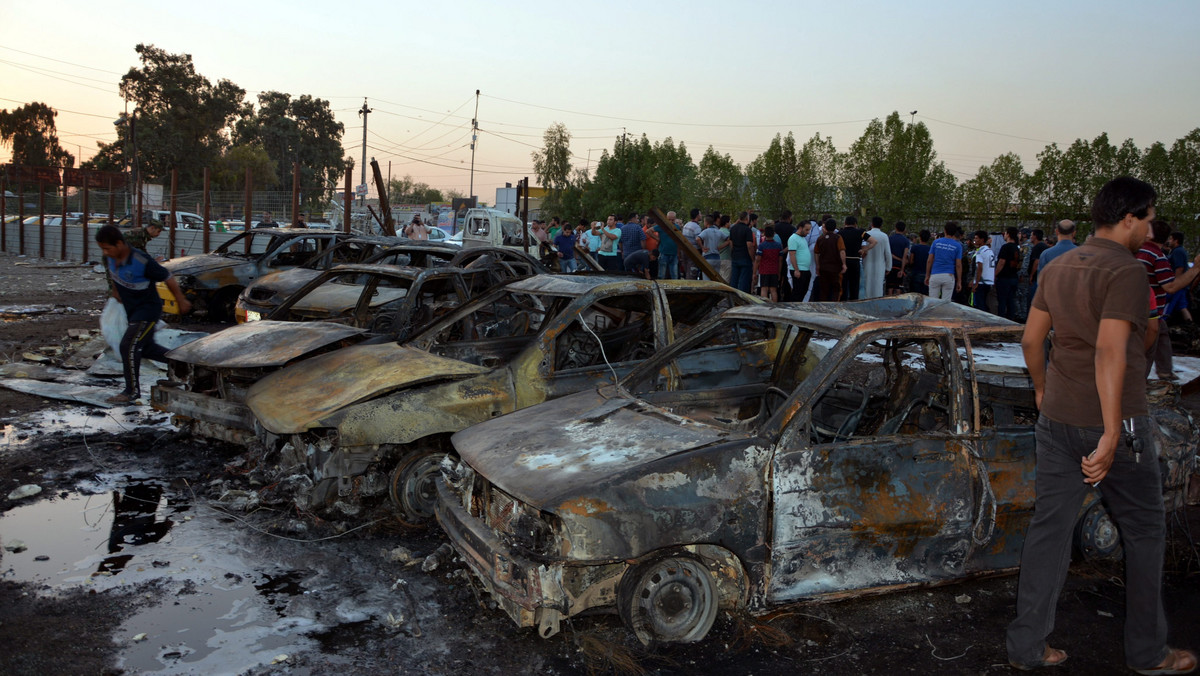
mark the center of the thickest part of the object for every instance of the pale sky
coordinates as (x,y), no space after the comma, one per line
(987,77)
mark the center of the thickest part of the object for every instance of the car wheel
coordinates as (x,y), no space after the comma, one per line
(413,490)
(1096,536)
(669,600)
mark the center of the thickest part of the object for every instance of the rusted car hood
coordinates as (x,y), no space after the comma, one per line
(559,451)
(285,282)
(261,344)
(287,401)
(192,265)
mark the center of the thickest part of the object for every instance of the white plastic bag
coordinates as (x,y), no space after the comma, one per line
(113,323)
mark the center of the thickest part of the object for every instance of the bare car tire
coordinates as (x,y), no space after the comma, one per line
(413,490)
(1096,535)
(672,599)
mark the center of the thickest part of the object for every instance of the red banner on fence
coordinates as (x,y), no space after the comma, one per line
(95,179)
(23,174)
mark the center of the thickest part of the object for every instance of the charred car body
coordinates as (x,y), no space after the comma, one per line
(208,378)
(373,418)
(779,453)
(265,293)
(212,282)
(259,298)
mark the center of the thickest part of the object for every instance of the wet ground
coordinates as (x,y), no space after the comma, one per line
(146,552)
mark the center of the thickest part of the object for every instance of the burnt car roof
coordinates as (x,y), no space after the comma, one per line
(377,239)
(377,268)
(844,317)
(577,285)
(295,231)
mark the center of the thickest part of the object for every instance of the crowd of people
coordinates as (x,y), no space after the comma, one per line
(824,260)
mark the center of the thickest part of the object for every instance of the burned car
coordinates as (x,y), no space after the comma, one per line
(263,294)
(779,453)
(376,418)
(207,379)
(212,282)
(259,298)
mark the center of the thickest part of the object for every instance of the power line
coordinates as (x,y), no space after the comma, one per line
(69,63)
(61,110)
(57,72)
(984,131)
(444,166)
(678,124)
(35,71)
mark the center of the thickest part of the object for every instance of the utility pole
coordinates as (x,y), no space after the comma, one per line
(364,111)
(474,136)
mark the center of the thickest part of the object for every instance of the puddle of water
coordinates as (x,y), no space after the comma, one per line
(217,630)
(70,539)
(220,615)
(81,420)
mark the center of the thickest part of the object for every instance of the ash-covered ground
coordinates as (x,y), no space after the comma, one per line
(146,551)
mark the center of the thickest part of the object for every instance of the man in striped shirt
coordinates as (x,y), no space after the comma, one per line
(1162,282)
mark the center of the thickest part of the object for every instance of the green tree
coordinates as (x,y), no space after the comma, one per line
(720,184)
(773,174)
(31,134)
(182,118)
(892,170)
(1183,200)
(553,166)
(296,130)
(994,191)
(1155,167)
(638,175)
(817,188)
(1048,187)
(229,172)
(407,191)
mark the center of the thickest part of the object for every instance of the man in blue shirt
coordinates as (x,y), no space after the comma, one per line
(134,277)
(632,236)
(565,243)
(668,250)
(918,257)
(943,269)
(1066,241)
(899,244)
(1177,256)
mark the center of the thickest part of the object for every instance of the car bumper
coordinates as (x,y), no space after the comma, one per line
(208,416)
(529,592)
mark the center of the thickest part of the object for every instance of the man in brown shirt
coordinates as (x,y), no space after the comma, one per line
(830,254)
(1094,426)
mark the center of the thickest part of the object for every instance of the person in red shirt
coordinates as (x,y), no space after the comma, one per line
(1162,282)
(767,261)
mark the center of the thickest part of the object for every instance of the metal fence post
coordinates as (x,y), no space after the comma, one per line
(248,209)
(83,252)
(174,209)
(207,213)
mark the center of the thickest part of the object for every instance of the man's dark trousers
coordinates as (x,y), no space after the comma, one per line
(1132,491)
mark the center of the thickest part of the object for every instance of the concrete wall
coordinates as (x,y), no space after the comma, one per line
(187,242)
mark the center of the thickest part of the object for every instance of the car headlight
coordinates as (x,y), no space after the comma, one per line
(252,316)
(185,281)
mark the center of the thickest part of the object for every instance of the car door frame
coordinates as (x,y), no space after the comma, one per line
(824,558)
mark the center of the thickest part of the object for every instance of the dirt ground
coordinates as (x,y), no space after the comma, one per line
(951,629)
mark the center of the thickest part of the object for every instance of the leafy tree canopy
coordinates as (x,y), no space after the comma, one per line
(30,132)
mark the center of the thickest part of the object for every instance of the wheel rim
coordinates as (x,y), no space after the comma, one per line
(675,601)
(413,489)
(1099,537)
